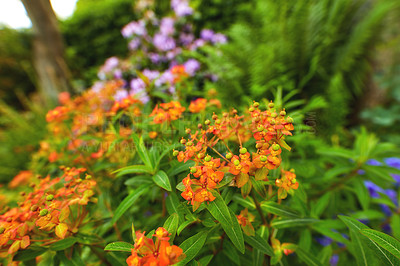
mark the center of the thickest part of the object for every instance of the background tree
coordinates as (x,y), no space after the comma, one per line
(49,62)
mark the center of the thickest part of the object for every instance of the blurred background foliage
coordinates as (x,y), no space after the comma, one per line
(335,64)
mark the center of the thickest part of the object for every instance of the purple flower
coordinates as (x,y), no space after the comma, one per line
(191,66)
(207,34)
(219,38)
(361,172)
(151,74)
(373,189)
(373,162)
(167,26)
(392,195)
(186,38)
(386,210)
(387,228)
(138,85)
(109,64)
(134,44)
(393,162)
(118,74)
(165,77)
(334,260)
(120,95)
(155,58)
(163,42)
(137,28)
(97,86)
(324,241)
(181,8)
(138,88)
(396,177)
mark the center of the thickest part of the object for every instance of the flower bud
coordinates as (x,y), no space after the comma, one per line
(208,158)
(282,113)
(193,170)
(88,177)
(189,143)
(43,212)
(225,114)
(50,197)
(236,162)
(260,128)
(243,150)
(276,147)
(263,158)
(289,120)
(272,122)
(2,229)
(188,130)
(201,155)
(34,208)
(229,155)
(207,122)
(259,145)
(251,109)
(256,104)
(199,126)
(271,105)
(214,117)
(175,153)
(218,121)
(183,141)
(294,180)
(273,115)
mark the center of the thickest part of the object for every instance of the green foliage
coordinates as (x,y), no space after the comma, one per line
(93,33)
(20,134)
(319,47)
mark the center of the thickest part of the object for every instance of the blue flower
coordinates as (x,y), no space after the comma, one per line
(373,189)
(393,162)
(334,260)
(373,162)
(324,241)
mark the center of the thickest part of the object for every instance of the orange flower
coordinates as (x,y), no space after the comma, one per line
(168,112)
(179,73)
(153,134)
(245,219)
(22,178)
(287,183)
(158,252)
(198,105)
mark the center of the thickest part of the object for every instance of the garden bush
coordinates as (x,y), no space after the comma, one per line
(154,166)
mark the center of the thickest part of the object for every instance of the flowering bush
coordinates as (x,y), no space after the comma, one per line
(221,185)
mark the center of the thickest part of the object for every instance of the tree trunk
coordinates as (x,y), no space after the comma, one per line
(52,70)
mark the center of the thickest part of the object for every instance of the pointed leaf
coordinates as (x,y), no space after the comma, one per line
(162,180)
(192,246)
(171,225)
(385,241)
(279,209)
(119,246)
(260,244)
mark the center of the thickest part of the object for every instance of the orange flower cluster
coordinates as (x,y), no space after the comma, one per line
(200,104)
(58,114)
(268,128)
(46,209)
(167,112)
(160,252)
(124,104)
(286,183)
(245,219)
(179,73)
(22,178)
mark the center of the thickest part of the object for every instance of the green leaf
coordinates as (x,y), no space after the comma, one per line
(142,151)
(247,203)
(376,172)
(162,180)
(336,152)
(318,208)
(63,244)
(395,225)
(230,251)
(307,257)
(119,246)
(192,246)
(184,225)
(180,167)
(362,193)
(133,169)
(220,211)
(278,209)
(385,241)
(29,254)
(171,225)
(285,223)
(362,245)
(259,243)
(206,260)
(129,201)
